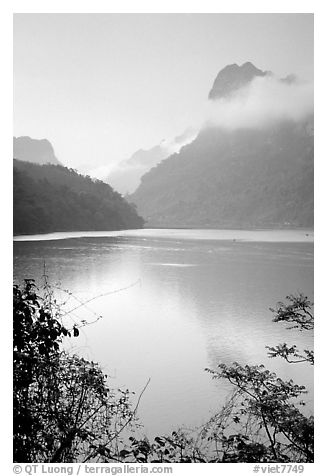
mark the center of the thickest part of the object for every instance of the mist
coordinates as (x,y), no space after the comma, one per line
(264,101)
(125,175)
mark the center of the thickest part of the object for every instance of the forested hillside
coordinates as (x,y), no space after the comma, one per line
(50,198)
(241,178)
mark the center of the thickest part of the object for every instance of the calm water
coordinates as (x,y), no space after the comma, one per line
(174,302)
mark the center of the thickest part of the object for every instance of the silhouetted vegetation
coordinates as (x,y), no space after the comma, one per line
(50,198)
(64,410)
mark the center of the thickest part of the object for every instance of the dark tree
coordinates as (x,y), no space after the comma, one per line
(63,408)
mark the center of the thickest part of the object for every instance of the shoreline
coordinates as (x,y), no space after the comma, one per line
(303,235)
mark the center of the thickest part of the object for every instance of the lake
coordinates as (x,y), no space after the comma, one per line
(174,302)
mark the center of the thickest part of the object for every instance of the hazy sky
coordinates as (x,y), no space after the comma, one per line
(101,86)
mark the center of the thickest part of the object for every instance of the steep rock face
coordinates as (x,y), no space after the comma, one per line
(34,150)
(232,78)
(240,178)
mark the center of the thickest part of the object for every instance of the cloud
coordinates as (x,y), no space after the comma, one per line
(172,146)
(125,176)
(100,172)
(262,102)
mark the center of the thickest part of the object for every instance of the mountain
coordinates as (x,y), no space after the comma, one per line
(243,178)
(49,198)
(126,176)
(34,150)
(234,77)
(246,173)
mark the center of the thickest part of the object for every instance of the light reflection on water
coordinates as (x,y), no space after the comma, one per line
(187,304)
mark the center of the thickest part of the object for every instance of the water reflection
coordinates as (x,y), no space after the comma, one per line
(185,304)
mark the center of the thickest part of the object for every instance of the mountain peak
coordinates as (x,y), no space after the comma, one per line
(249,66)
(39,151)
(233,77)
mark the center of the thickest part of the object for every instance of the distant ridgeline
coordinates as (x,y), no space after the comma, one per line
(50,198)
(38,151)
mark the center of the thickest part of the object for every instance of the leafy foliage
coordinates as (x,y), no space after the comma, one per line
(296,311)
(268,413)
(267,416)
(63,408)
(261,422)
